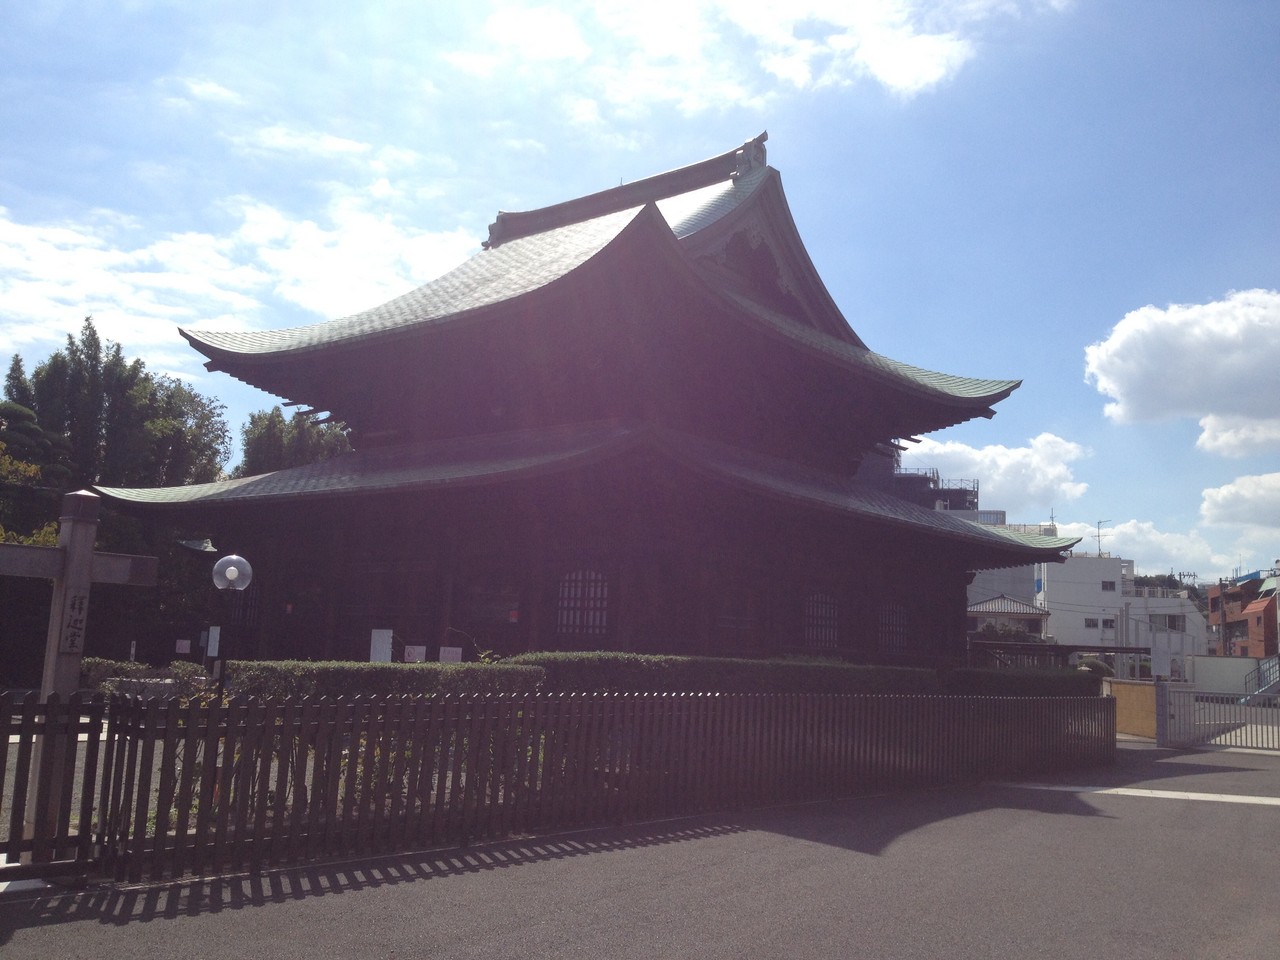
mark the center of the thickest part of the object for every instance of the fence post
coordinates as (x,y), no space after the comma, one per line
(1162,713)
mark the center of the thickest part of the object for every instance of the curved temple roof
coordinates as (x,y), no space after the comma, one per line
(528,251)
(478,461)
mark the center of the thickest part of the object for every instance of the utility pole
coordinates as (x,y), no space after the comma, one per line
(1224,645)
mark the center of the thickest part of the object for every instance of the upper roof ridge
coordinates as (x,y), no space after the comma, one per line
(727,166)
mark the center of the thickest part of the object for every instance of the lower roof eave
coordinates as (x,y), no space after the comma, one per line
(509,458)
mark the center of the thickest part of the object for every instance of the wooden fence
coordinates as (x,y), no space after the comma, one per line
(195,789)
(49,766)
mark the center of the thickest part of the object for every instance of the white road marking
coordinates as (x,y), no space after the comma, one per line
(1157,794)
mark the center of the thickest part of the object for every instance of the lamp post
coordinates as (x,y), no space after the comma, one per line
(230,573)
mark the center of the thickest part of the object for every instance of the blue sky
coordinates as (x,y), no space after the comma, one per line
(1081,193)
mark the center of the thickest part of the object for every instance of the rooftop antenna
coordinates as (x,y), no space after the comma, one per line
(1099,535)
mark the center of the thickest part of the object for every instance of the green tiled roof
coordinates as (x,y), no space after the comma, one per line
(447,463)
(529,262)
(941,385)
(506,271)
(491,277)
(499,458)
(823,490)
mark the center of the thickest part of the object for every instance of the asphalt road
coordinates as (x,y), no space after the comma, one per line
(1177,862)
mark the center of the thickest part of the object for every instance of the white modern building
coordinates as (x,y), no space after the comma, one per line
(1091,599)
(1017,583)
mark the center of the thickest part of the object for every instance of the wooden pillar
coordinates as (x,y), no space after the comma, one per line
(536,589)
(64,643)
(334,573)
(446,579)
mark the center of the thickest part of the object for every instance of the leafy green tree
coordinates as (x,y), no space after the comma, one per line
(270,442)
(18,477)
(32,464)
(17,388)
(88,415)
(114,423)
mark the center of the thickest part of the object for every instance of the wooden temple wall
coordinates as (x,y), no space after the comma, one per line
(632,567)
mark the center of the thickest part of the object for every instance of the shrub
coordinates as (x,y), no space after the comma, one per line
(95,671)
(184,678)
(333,678)
(638,673)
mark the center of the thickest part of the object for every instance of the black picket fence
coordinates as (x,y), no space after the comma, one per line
(180,789)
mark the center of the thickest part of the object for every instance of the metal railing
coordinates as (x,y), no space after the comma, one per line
(1186,717)
(1261,679)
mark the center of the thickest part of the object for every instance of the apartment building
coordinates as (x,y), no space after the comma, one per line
(1092,599)
(1243,616)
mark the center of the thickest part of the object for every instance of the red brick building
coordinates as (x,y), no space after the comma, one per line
(1243,618)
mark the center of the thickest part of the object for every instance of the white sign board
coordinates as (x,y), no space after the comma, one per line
(183,646)
(414,654)
(450,654)
(380,646)
(212,649)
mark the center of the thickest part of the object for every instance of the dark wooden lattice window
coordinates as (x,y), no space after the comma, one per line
(821,622)
(583,610)
(894,635)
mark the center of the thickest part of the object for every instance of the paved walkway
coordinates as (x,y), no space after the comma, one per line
(1165,855)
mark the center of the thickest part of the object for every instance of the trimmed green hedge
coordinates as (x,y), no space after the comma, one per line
(588,673)
(630,672)
(336,678)
(639,673)
(124,676)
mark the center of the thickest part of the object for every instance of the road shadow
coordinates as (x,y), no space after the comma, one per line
(865,825)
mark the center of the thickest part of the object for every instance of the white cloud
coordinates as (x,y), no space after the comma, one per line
(282,139)
(477,63)
(210,91)
(355,256)
(1152,551)
(1252,501)
(704,55)
(53,275)
(907,62)
(1018,480)
(1214,361)
(539,33)
(1237,436)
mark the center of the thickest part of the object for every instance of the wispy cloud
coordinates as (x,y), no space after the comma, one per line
(209,90)
(283,139)
(138,288)
(701,55)
(355,257)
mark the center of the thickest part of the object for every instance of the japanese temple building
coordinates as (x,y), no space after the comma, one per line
(634,421)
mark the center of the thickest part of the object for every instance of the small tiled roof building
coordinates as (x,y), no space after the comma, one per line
(634,421)
(1008,612)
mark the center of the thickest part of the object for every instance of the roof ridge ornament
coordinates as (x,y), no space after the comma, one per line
(751,156)
(513,224)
